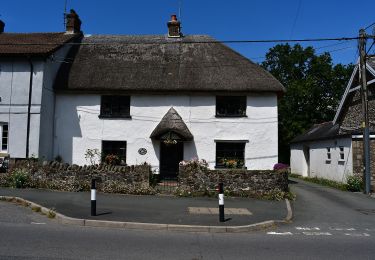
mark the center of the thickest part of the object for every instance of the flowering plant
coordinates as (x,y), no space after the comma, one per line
(280,166)
(232,163)
(194,162)
(112,159)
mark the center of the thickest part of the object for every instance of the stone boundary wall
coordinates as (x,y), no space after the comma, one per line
(65,177)
(195,179)
(358,155)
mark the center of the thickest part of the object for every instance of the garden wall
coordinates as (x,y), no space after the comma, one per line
(196,179)
(65,177)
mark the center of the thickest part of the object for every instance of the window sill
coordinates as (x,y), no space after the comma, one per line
(114,117)
(230,116)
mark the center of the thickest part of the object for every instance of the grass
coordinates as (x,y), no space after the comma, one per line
(322,181)
(36,209)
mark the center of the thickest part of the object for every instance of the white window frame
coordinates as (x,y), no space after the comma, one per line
(1,137)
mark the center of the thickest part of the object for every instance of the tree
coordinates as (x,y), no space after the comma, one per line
(314,86)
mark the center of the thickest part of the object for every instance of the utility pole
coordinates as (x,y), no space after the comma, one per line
(365,122)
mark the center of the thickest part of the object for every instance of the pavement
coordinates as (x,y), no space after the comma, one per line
(156,212)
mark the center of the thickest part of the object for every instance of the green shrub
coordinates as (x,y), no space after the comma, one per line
(354,183)
(19,178)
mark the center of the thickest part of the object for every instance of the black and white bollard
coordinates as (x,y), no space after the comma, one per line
(221,202)
(93,197)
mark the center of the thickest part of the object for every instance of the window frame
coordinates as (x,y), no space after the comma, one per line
(121,157)
(220,100)
(329,154)
(2,125)
(114,101)
(240,157)
(341,153)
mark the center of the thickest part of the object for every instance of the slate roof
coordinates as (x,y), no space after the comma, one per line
(172,122)
(371,61)
(318,132)
(158,63)
(32,44)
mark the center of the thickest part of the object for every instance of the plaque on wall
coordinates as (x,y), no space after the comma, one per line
(142,151)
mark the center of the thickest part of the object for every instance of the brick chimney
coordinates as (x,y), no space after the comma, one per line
(73,23)
(174,27)
(2,25)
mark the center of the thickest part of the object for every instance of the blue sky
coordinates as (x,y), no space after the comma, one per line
(222,19)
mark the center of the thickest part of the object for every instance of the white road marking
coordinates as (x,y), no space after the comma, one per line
(317,233)
(280,234)
(370,229)
(357,234)
(342,229)
(37,223)
(307,228)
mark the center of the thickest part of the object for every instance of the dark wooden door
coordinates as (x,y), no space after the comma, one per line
(170,157)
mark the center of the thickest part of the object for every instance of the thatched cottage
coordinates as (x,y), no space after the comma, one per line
(162,99)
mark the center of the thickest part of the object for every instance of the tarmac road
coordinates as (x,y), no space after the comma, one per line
(328,224)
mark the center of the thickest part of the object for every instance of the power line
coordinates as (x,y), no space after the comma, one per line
(296,17)
(185,42)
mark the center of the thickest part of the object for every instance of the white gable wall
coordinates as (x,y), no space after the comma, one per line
(78,128)
(298,160)
(319,165)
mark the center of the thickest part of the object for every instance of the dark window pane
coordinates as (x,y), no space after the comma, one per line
(114,151)
(231,106)
(230,155)
(115,106)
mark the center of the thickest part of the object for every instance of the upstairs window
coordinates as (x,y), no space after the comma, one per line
(115,107)
(230,154)
(230,106)
(4,137)
(114,152)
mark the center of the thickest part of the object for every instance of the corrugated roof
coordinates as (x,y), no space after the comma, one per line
(158,63)
(318,132)
(33,44)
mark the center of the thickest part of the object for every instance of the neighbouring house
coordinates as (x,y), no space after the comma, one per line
(334,150)
(28,66)
(162,99)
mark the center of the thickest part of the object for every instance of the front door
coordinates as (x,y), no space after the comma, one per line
(170,157)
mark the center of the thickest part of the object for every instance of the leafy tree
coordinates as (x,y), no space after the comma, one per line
(314,87)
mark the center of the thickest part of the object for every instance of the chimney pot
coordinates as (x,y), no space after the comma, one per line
(2,26)
(174,27)
(73,23)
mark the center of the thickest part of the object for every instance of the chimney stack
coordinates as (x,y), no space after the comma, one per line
(174,27)
(2,25)
(73,23)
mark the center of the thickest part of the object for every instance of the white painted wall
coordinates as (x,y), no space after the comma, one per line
(14,93)
(77,127)
(47,110)
(334,169)
(298,160)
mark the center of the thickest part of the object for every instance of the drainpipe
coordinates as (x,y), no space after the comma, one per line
(29,107)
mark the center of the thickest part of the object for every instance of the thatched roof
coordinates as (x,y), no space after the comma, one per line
(198,63)
(172,122)
(32,44)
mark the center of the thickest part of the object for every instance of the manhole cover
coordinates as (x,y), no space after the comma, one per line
(367,211)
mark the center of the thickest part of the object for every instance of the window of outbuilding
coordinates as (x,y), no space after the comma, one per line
(4,137)
(328,153)
(114,152)
(115,107)
(230,106)
(230,154)
(342,155)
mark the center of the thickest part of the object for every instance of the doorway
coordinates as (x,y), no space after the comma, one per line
(170,157)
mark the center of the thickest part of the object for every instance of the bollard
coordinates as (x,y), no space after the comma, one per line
(93,197)
(221,202)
